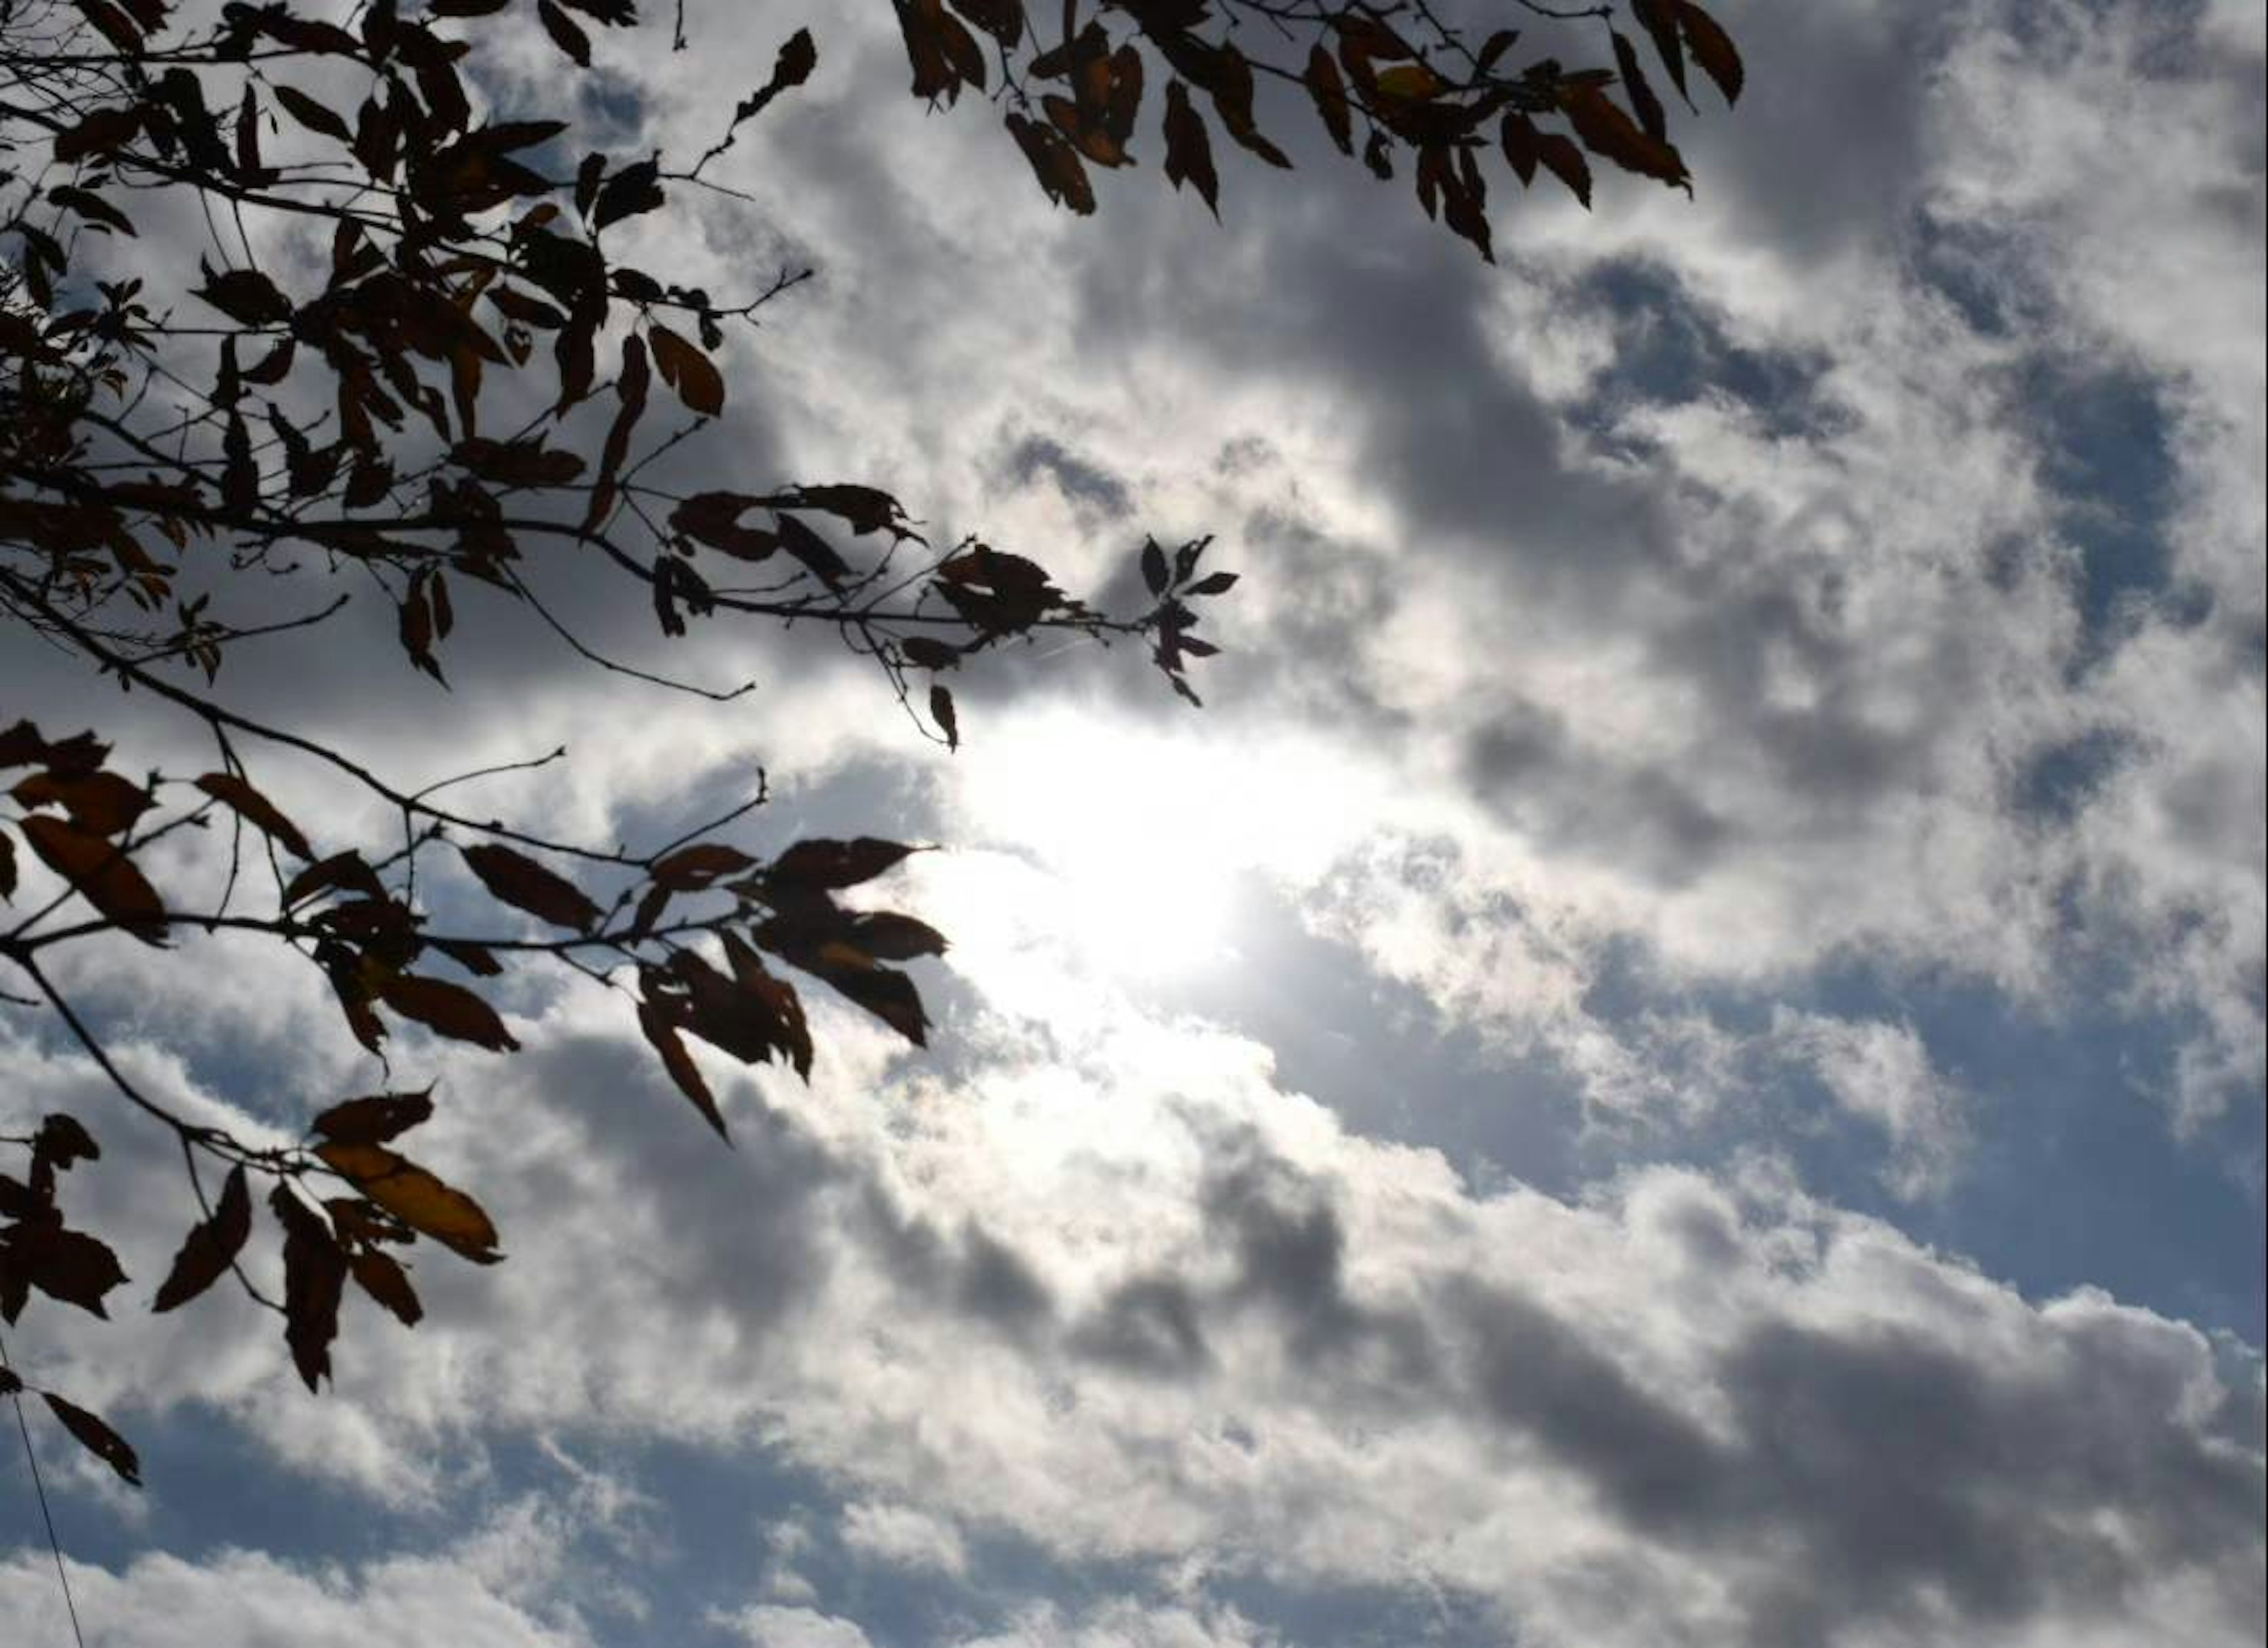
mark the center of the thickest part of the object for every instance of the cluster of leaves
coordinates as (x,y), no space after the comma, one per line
(464,362)
(458,370)
(1392,80)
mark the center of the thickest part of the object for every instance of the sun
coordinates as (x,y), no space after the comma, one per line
(1147,836)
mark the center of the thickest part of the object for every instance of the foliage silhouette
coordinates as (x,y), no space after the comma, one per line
(464,375)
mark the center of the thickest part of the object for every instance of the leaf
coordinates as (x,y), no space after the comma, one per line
(314,1276)
(887,936)
(91,207)
(1153,568)
(255,809)
(101,873)
(246,296)
(1713,49)
(417,1198)
(942,711)
(1650,115)
(381,1276)
(346,870)
(1328,88)
(1055,163)
(926,652)
(688,370)
(817,556)
(825,864)
(7,868)
(96,1438)
(1564,161)
(100,802)
(677,1059)
(446,1009)
(635,188)
(1214,584)
(1607,131)
(61,1141)
(1659,19)
(1188,151)
(211,1247)
(312,114)
(375,1118)
(691,869)
(565,34)
(66,1264)
(523,882)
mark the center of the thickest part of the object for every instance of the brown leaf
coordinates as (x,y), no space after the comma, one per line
(211,1247)
(520,881)
(446,1009)
(1650,115)
(346,870)
(821,864)
(102,803)
(1713,49)
(383,1279)
(417,1198)
(101,873)
(1659,18)
(684,369)
(314,1276)
(1607,131)
(65,1264)
(1055,163)
(1564,161)
(255,809)
(677,1059)
(1328,88)
(96,1438)
(1188,151)
(691,869)
(374,1119)
(942,711)
(887,936)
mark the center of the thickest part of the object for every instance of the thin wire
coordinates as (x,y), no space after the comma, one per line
(40,1488)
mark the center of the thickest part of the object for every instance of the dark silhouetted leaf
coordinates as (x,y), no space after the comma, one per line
(1650,115)
(1659,19)
(1188,151)
(314,1276)
(1055,163)
(211,1247)
(677,1059)
(96,1438)
(1713,49)
(102,803)
(65,1264)
(314,115)
(942,711)
(520,881)
(255,809)
(448,1010)
(375,1118)
(101,873)
(565,32)
(1328,88)
(828,864)
(691,869)
(684,369)
(381,1276)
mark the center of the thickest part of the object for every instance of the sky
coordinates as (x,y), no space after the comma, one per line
(1675,1057)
